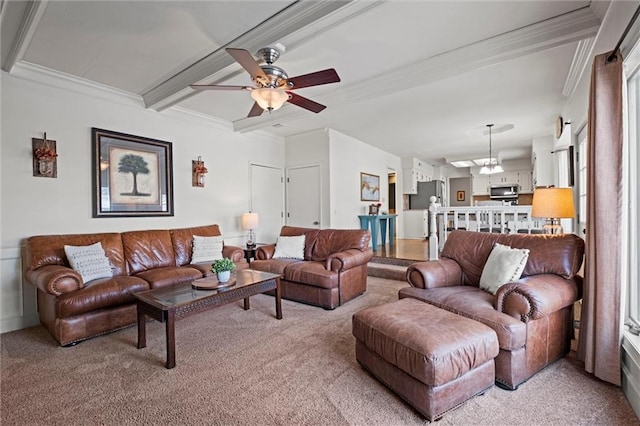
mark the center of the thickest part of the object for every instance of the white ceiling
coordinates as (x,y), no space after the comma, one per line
(417,76)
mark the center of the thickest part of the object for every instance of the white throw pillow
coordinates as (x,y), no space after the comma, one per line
(89,261)
(289,248)
(504,265)
(206,249)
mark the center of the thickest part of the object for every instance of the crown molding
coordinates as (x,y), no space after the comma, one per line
(581,59)
(51,78)
(293,22)
(600,8)
(560,30)
(29,13)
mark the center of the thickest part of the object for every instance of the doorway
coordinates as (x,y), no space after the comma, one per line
(391,175)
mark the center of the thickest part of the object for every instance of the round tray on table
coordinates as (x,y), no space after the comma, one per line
(212,283)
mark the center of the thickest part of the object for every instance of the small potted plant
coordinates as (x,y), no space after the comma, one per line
(223,268)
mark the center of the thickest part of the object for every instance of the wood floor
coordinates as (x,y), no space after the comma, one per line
(404,249)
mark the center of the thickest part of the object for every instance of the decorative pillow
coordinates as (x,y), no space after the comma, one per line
(89,261)
(289,248)
(504,265)
(206,249)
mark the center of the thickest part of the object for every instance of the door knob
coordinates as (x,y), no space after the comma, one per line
(315,222)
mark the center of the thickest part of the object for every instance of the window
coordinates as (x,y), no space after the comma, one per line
(632,182)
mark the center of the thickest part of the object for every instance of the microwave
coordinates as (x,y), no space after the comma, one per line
(505,191)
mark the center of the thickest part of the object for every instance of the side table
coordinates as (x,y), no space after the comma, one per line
(249,253)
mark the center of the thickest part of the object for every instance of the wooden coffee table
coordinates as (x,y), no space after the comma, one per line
(171,303)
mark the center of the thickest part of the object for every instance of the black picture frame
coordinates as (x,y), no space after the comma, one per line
(132,175)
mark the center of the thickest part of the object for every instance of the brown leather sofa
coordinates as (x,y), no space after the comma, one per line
(532,316)
(334,269)
(73,311)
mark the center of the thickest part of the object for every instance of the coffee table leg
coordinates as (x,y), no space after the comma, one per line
(246,304)
(171,339)
(278,299)
(142,329)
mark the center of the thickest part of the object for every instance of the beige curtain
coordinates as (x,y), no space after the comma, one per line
(601,322)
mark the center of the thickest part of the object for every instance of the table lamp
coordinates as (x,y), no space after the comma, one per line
(553,204)
(250,222)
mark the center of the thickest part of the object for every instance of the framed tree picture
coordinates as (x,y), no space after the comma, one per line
(132,175)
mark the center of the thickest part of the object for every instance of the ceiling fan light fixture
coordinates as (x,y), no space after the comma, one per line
(269,98)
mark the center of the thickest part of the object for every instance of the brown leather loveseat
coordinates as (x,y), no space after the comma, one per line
(333,271)
(73,310)
(532,316)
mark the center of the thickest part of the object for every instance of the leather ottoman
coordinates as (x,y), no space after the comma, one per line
(433,359)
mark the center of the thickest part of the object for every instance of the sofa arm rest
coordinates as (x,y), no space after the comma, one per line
(234,253)
(536,296)
(55,279)
(348,259)
(435,273)
(265,252)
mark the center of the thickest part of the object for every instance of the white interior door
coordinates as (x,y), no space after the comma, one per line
(303,196)
(267,199)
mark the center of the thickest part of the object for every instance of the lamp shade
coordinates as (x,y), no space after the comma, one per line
(250,220)
(553,203)
(269,98)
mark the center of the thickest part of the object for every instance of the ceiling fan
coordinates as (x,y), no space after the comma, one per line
(273,87)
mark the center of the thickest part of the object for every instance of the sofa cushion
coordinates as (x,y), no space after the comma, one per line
(206,249)
(103,293)
(477,304)
(311,273)
(275,266)
(89,261)
(182,240)
(504,265)
(49,249)
(144,250)
(548,254)
(331,241)
(163,277)
(290,247)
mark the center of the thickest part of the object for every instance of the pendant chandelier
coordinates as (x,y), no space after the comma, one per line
(491,167)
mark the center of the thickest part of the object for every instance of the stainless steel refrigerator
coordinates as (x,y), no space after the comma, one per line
(420,201)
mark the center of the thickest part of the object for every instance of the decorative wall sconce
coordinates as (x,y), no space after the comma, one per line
(198,170)
(45,162)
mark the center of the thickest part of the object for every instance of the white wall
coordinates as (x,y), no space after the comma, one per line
(33,103)
(349,157)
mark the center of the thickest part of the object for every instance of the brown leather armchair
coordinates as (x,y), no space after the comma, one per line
(334,269)
(532,316)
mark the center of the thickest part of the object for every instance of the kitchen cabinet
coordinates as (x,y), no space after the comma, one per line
(480,183)
(415,171)
(525,182)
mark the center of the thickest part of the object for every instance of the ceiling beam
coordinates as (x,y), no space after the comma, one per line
(557,31)
(16,38)
(299,15)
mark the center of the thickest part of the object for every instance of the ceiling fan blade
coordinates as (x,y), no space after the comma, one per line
(305,103)
(244,58)
(218,87)
(314,79)
(256,110)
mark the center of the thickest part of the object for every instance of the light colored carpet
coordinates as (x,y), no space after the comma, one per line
(246,367)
